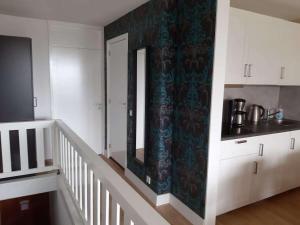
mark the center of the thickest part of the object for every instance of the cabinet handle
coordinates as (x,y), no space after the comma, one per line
(293,142)
(261,150)
(241,142)
(245,70)
(35,102)
(282,73)
(255,167)
(250,70)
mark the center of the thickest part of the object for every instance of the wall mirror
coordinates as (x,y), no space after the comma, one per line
(141,104)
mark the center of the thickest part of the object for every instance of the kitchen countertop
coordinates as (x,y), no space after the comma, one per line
(262,128)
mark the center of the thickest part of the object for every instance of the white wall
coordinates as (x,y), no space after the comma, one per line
(37,30)
(216,110)
(76,61)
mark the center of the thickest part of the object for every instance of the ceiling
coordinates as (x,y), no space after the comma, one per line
(286,9)
(91,12)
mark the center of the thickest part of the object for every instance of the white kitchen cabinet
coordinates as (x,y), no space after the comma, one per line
(262,50)
(236,68)
(290,56)
(236,177)
(256,168)
(291,162)
(268,180)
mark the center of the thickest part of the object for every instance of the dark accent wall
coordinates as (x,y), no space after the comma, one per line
(152,25)
(180,37)
(196,35)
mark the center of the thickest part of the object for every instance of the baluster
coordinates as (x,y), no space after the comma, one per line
(72,170)
(98,202)
(85,191)
(6,155)
(76,175)
(66,157)
(127,220)
(69,163)
(115,214)
(23,149)
(40,147)
(80,183)
(91,197)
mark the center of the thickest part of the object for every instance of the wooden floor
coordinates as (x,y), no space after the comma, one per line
(283,209)
(167,211)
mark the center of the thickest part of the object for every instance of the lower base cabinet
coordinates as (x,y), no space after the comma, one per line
(270,165)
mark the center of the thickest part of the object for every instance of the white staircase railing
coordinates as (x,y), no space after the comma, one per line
(25,142)
(101,196)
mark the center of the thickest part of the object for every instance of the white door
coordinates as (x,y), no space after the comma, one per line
(263,56)
(290,54)
(291,160)
(77,89)
(236,67)
(268,181)
(117,79)
(235,182)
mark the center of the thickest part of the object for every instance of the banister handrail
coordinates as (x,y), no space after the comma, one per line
(139,211)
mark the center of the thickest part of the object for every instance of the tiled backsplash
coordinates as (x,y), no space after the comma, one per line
(267,96)
(289,101)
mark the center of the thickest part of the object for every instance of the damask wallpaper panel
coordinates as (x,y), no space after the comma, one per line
(180,37)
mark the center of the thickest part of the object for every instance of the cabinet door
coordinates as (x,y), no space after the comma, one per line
(235,71)
(290,55)
(291,173)
(263,56)
(235,181)
(268,180)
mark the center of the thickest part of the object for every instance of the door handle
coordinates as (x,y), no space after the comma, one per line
(250,70)
(241,142)
(245,70)
(293,142)
(261,150)
(282,73)
(255,167)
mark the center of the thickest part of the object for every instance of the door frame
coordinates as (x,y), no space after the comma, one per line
(108,44)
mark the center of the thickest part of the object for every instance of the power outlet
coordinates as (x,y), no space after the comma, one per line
(148,180)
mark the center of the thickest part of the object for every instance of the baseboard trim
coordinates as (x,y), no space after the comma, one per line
(189,214)
(163,199)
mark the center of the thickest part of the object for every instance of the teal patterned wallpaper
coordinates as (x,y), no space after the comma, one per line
(180,37)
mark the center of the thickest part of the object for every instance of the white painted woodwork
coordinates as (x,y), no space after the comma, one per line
(40,147)
(5,147)
(235,182)
(23,149)
(41,128)
(98,179)
(291,162)
(117,79)
(21,187)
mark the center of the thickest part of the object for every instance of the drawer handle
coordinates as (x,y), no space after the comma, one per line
(241,142)
(293,141)
(261,150)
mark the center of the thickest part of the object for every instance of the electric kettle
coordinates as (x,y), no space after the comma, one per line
(256,113)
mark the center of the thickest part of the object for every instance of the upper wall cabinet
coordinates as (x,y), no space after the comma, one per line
(290,54)
(260,49)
